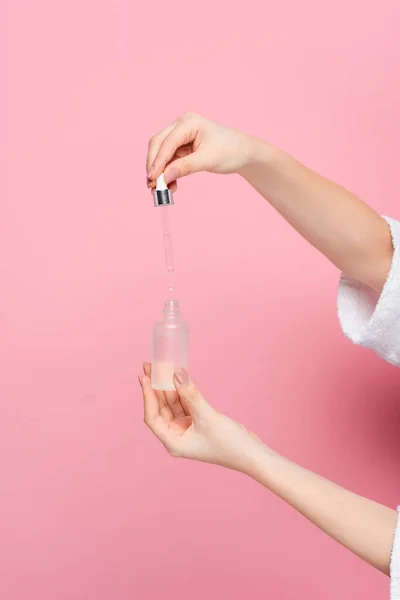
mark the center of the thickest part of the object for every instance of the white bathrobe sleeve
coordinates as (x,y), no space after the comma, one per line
(370,319)
(395,563)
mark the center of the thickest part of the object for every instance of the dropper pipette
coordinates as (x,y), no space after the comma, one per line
(163,199)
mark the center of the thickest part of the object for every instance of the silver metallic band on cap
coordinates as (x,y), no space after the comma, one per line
(163,197)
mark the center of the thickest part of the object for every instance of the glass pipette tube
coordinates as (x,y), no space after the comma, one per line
(169,257)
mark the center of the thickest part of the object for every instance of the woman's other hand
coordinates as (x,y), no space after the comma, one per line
(190,428)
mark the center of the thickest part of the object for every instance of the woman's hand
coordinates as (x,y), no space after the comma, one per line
(347,231)
(190,428)
(193,143)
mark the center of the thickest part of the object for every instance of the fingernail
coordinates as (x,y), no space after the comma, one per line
(150,173)
(182,377)
(146,368)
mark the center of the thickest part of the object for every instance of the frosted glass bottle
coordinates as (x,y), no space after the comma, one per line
(170,347)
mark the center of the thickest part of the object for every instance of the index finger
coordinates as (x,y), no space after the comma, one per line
(183,133)
(150,401)
(154,146)
(153,418)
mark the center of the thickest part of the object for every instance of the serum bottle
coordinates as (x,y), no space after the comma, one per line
(170,347)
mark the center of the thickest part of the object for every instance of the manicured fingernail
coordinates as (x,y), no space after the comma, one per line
(146,368)
(150,173)
(182,377)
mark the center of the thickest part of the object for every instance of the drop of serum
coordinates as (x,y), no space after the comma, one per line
(170,273)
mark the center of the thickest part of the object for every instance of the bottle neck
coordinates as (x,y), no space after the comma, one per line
(171,310)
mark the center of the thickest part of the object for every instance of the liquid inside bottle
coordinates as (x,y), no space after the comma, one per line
(170,347)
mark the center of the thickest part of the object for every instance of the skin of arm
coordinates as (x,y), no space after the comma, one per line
(337,223)
(363,526)
(191,428)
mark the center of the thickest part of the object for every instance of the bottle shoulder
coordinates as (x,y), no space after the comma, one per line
(169,325)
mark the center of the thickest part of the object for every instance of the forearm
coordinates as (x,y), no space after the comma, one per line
(361,525)
(345,229)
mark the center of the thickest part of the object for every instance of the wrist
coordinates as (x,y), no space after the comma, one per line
(259,155)
(260,462)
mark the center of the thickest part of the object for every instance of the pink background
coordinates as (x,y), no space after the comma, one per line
(91,507)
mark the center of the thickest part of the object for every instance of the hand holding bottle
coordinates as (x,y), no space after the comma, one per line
(190,428)
(192,144)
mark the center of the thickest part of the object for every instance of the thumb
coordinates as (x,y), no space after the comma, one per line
(181,167)
(191,397)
